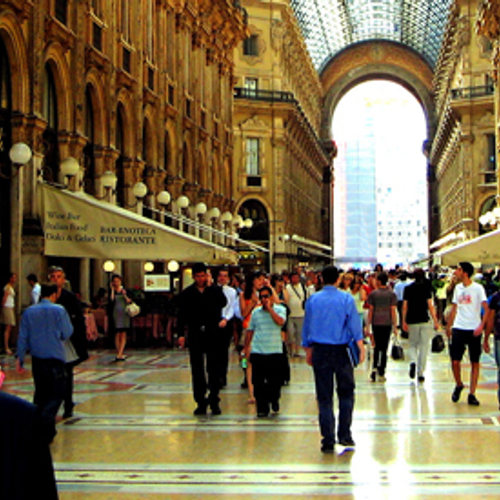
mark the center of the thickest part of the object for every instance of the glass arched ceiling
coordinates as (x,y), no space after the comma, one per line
(329,26)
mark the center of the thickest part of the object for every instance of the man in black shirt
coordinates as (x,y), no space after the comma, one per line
(417,304)
(200,311)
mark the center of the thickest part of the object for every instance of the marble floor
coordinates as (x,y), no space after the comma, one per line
(133,436)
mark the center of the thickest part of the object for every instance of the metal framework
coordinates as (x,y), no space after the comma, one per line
(329,26)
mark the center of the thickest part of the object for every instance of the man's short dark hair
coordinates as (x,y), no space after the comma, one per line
(32,277)
(223,269)
(266,289)
(330,275)
(419,275)
(199,267)
(467,268)
(47,290)
(383,278)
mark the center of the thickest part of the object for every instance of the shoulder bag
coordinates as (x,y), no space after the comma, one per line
(397,352)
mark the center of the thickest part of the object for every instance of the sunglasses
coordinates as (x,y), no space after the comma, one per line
(265,296)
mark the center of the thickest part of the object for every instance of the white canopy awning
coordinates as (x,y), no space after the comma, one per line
(484,249)
(78,225)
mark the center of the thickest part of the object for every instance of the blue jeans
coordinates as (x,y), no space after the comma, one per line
(497,359)
(332,366)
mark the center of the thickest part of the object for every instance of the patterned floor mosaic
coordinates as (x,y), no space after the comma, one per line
(133,436)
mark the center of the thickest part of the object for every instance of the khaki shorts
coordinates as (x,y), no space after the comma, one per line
(8,316)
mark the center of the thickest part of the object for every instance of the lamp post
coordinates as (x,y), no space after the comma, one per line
(213,214)
(163,198)
(139,190)
(108,267)
(226,219)
(108,182)
(20,154)
(200,210)
(173,267)
(69,168)
(182,202)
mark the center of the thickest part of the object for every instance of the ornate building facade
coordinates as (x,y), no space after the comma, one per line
(463,156)
(141,89)
(282,171)
(488,25)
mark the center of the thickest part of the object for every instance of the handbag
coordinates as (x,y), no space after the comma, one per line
(397,352)
(437,344)
(132,309)
(353,352)
(69,351)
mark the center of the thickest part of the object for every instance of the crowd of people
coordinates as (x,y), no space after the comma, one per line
(269,319)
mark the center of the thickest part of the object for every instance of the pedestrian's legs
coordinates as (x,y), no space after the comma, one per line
(497,359)
(226,334)
(215,353)
(274,376)
(414,341)
(49,376)
(291,331)
(385,337)
(198,377)
(323,377)
(260,383)
(344,375)
(474,377)
(68,392)
(40,377)
(376,349)
(423,347)
(382,336)
(120,342)
(6,337)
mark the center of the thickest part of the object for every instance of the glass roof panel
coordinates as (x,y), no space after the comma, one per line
(329,26)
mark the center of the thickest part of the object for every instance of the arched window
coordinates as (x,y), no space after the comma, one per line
(259,232)
(168,155)
(50,165)
(487,206)
(185,162)
(5,110)
(120,146)
(5,165)
(88,150)
(146,147)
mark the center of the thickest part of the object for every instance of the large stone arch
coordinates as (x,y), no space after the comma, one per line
(201,167)
(151,133)
(376,60)
(95,84)
(55,60)
(171,147)
(13,39)
(124,105)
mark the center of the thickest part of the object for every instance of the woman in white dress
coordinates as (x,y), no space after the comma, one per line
(8,316)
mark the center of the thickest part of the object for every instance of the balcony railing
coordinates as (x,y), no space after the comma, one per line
(263,95)
(472,92)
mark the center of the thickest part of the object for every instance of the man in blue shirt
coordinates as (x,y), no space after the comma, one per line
(44,327)
(330,322)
